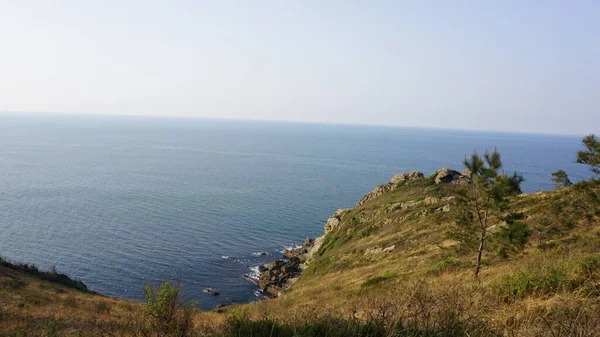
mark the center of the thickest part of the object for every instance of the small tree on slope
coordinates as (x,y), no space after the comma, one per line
(561,179)
(486,195)
(590,156)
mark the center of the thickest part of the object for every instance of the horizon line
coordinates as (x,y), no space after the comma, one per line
(94,114)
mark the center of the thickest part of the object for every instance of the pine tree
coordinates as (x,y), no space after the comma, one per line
(561,179)
(591,156)
(486,195)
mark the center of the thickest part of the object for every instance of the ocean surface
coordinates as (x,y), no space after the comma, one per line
(120,202)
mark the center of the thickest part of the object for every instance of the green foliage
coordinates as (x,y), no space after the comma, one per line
(576,274)
(388,275)
(450,325)
(515,233)
(486,195)
(51,276)
(591,155)
(590,264)
(561,179)
(324,326)
(535,282)
(164,312)
(443,266)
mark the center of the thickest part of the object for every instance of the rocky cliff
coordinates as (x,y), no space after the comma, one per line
(282,273)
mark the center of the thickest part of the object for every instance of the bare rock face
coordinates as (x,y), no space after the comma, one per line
(315,248)
(379,250)
(406,176)
(334,220)
(446,175)
(391,185)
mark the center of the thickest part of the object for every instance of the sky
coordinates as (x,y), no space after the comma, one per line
(526,66)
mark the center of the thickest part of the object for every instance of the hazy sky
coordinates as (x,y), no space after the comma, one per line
(503,65)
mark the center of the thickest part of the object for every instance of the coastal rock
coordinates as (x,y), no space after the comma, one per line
(315,248)
(300,252)
(211,291)
(334,220)
(280,274)
(381,189)
(446,175)
(406,176)
(275,276)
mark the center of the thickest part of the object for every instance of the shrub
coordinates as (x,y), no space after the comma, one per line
(316,327)
(164,312)
(590,264)
(535,282)
(516,233)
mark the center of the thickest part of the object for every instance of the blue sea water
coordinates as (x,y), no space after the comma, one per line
(120,202)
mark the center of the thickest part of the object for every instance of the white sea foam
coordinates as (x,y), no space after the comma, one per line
(254,273)
(290,247)
(225,256)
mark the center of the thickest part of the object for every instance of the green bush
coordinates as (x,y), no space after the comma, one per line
(516,233)
(323,326)
(535,282)
(590,264)
(164,312)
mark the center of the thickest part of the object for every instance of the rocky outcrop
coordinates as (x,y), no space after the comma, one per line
(392,184)
(447,176)
(334,220)
(300,252)
(379,250)
(211,291)
(279,274)
(315,248)
(275,276)
(406,176)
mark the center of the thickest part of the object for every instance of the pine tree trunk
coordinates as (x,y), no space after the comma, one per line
(479,253)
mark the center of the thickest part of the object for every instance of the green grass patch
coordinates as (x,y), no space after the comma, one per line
(443,266)
(535,282)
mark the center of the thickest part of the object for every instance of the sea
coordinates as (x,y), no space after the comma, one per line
(121,202)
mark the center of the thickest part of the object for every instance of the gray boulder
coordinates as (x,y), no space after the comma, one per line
(446,175)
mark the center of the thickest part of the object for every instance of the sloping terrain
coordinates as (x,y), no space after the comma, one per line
(402,255)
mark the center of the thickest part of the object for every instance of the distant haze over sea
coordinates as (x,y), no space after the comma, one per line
(119,202)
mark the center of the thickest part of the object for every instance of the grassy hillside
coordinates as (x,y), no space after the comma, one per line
(541,272)
(397,265)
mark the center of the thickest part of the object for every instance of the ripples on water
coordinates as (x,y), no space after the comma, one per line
(121,201)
